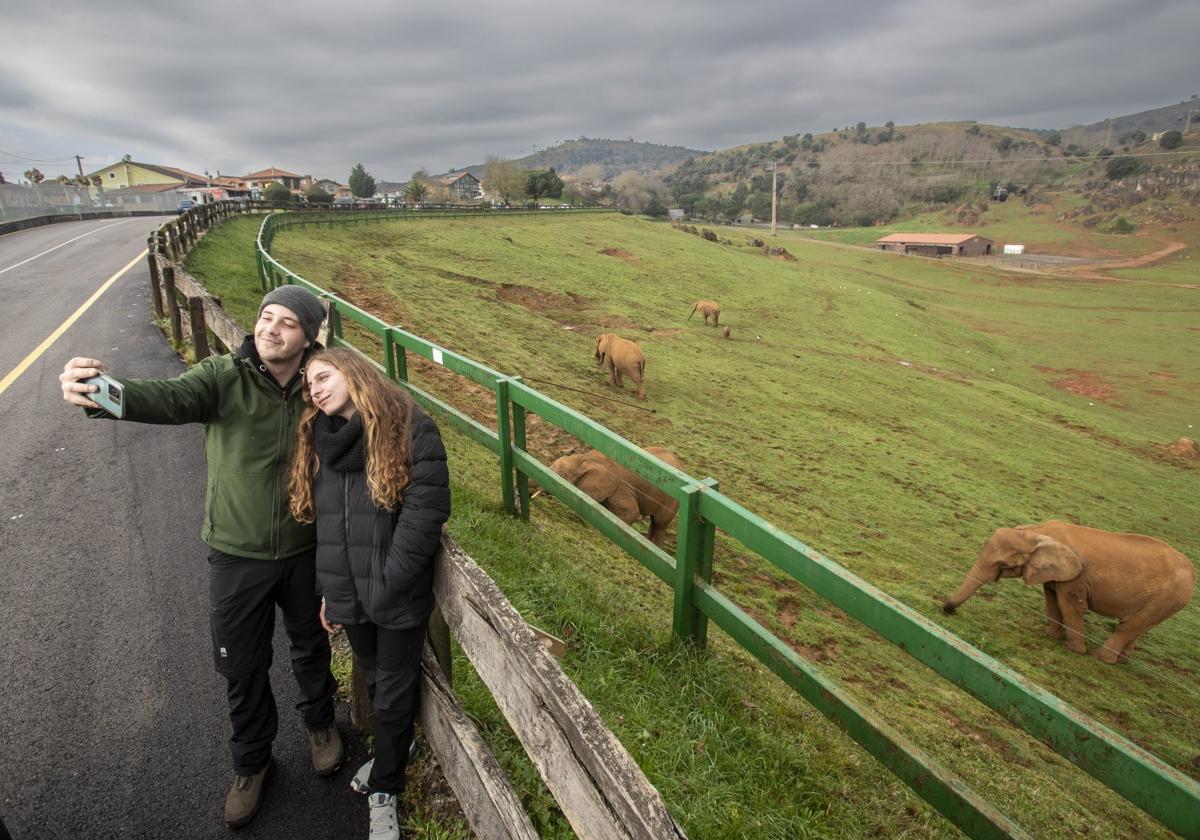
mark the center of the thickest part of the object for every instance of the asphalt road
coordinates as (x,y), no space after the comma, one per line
(113,723)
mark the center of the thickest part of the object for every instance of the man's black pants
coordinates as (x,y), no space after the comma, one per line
(391,660)
(242,596)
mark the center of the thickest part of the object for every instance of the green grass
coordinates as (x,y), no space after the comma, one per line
(811,418)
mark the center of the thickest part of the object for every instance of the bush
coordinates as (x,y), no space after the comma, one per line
(1122,166)
(1122,225)
(656,209)
(316,195)
(1170,139)
(277,192)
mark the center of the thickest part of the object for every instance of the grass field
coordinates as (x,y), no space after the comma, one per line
(890,412)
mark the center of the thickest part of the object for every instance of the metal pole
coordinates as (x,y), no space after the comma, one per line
(774,175)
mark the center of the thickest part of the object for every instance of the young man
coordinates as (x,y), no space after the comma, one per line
(249,402)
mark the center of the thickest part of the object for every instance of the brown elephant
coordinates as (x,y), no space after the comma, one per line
(1137,579)
(709,309)
(629,496)
(622,357)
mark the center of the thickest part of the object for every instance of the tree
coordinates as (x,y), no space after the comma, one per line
(633,193)
(1054,138)
(591,176)
(417,188)
(1171,139)
(503,180)
(1122,166)
(656,208)
(362,185)
(316,195)
(34,176)
(543,182)
(277,192)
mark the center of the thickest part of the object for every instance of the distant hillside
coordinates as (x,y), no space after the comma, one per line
(613,156)
(1149,122)
(870,175)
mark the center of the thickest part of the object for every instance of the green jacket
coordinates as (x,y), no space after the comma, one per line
(249,436)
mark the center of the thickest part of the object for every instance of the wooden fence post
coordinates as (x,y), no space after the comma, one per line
(168,280)
(199,331)
(155,279)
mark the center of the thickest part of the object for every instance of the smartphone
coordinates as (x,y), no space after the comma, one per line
(110,397)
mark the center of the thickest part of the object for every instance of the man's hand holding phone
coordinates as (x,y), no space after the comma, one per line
(84,384)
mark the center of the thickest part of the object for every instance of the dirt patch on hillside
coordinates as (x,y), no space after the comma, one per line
(619,253)
(538,300)
(1162,375)
(1184,447)
(348,283)
(1082,382)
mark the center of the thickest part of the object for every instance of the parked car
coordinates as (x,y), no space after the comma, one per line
(185,205)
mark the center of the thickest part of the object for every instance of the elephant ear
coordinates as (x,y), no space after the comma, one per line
(1052,561)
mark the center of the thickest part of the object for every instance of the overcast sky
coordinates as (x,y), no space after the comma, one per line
(316,87)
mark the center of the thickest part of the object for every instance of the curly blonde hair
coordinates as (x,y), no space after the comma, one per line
(386,412)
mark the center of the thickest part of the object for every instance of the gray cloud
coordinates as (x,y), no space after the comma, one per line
(317,87)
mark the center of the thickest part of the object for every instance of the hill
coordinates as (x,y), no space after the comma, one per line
(1150,122)
(612,156)
(872,175)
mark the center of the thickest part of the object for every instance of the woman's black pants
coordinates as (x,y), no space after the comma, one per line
(391,660)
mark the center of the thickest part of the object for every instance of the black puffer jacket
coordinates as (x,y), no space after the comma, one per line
(377,565)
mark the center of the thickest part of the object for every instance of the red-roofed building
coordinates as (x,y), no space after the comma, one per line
(936,244)
(259,180)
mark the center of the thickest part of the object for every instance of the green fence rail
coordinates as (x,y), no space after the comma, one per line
(1157,788)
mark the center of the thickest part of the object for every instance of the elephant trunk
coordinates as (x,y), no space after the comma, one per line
(976,577)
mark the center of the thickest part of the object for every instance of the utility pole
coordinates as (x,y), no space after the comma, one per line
(774,174)
(79,163)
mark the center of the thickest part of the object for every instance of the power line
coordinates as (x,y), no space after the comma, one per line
(956,162)
(22,159)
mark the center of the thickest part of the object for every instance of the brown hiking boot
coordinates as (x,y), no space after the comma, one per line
(327,751)
(244,798)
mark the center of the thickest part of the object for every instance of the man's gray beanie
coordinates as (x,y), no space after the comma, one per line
(305,304)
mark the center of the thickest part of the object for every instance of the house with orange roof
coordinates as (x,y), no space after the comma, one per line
(936,244)
(259,180)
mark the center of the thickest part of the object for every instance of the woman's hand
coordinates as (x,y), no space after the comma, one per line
(329,628)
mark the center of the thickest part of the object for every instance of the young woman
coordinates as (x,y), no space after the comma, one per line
(370,469)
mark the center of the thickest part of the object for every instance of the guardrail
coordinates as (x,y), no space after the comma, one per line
(1145,780)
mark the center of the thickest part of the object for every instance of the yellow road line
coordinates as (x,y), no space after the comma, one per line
(54,336)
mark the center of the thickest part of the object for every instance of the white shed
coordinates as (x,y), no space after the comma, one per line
(1014,250)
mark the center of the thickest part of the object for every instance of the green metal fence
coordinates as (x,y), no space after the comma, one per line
(1145,780)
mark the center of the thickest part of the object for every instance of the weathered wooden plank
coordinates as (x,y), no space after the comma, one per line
(598,785)
(489,803)
(228,332)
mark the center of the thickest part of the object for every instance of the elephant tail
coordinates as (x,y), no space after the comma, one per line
(641,367)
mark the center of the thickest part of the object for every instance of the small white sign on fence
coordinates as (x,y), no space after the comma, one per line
(437,356)
(1015,250)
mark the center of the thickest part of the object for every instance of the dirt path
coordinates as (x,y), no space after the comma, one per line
(1096,271)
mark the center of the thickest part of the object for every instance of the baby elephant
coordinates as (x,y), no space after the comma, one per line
(709,309)
(629,496)
(1139,580)
(622,357)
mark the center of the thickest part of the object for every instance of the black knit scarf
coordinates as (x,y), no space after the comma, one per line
(339,442)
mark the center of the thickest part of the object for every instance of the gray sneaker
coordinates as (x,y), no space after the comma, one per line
(385,824)
(327,750)
(241,804)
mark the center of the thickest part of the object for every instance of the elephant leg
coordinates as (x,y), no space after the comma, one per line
(641,392)
(613,376)
(1121,643)
(1072,616)
(658,530)
(1054,618)
(624,506)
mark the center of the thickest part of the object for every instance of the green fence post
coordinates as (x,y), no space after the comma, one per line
(693,559)
(504,431)
(335,325)
(518,434)
(389,355)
